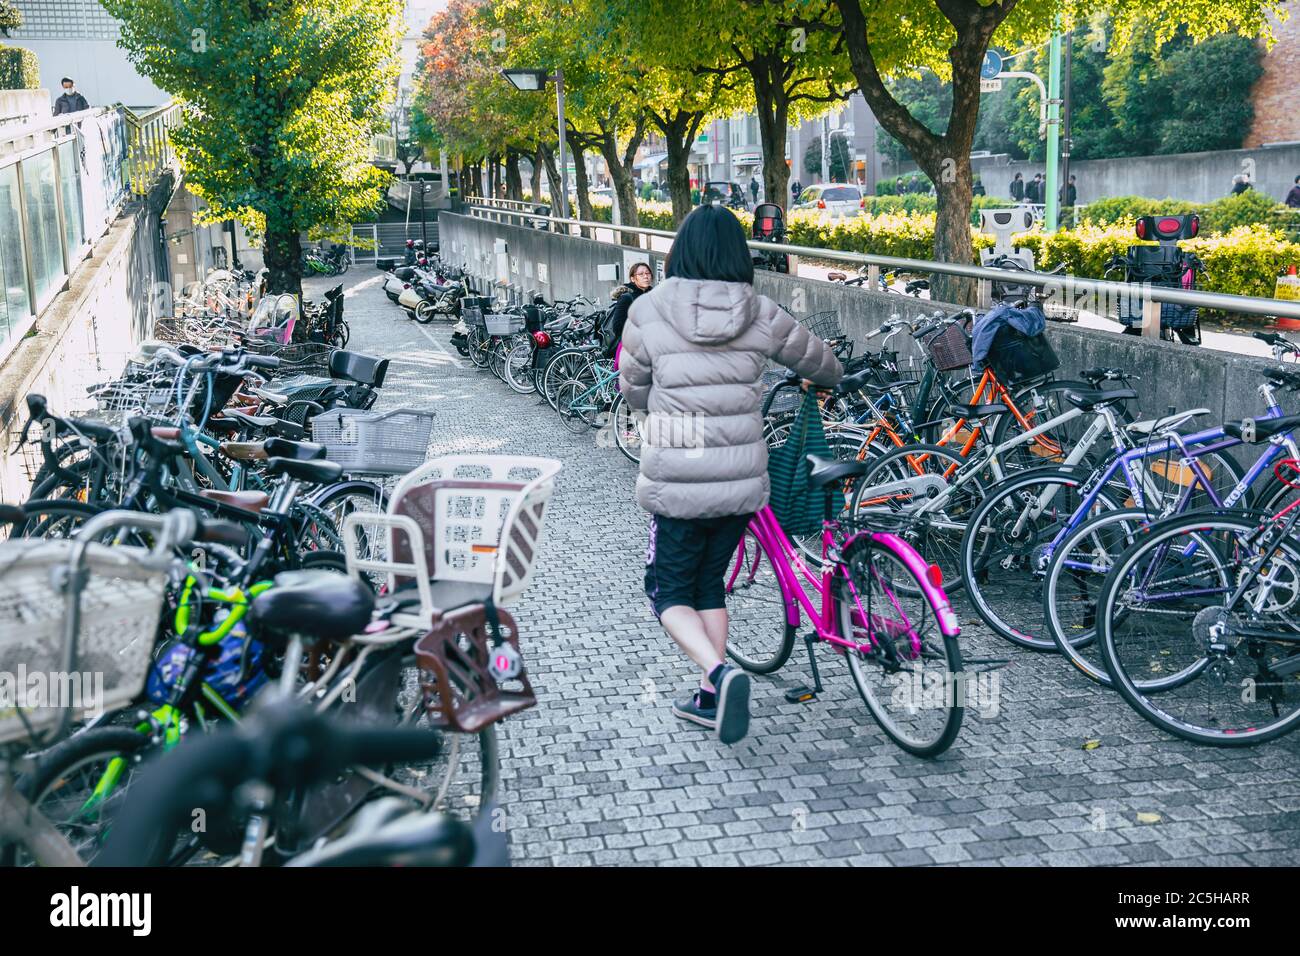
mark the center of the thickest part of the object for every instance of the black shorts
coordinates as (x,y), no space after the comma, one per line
(687,560)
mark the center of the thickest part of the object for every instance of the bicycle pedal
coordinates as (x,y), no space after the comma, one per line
(800,695)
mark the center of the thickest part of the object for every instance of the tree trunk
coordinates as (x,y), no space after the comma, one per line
(537,175)
(945,159)
(514,179)
(580,182)
(679,135)
(282,255)
(620,171)
(773,106)
(553,180)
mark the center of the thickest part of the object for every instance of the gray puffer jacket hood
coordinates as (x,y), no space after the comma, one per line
(693,355)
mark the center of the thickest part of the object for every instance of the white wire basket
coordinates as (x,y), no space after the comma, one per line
(120,607)
(374,443)
(473,519)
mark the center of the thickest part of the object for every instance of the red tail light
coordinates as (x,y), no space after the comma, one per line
(821,204)
(862,203)
(1141,229)
(935,575)
(542,340)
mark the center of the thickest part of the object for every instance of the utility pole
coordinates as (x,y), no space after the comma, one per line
(1067,119)
(1052,203)
(826,153)
(564,157)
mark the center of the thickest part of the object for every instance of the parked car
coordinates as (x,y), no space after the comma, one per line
(836,200)
(728,194)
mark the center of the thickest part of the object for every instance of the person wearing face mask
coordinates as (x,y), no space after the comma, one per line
(640,280)
(71,101)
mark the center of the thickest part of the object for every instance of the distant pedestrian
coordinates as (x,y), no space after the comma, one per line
(796,188)
(71,101)
(1069,193)
(977,187)
(753,189)
(1034,189)
(1293,197)
(1018,187)
(1240,183)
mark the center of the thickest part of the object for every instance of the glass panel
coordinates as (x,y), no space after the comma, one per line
(70,177)
(43,224)
(14,304)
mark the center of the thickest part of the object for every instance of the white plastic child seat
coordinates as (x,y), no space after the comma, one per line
(474,519)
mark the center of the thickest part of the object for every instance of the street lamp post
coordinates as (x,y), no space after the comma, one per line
(533,81)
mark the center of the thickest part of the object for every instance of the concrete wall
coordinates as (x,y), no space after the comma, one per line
(1197,177)
(1181,376)
(84,337)
(22,106)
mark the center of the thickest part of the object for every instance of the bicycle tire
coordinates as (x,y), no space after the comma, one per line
(999,580)
(755,601)
(1070,594)
(1169,529)
(519,372)
(863,571)
(627,434)
(58,767)
(1050,448)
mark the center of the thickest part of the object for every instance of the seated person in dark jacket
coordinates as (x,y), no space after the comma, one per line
(640,281)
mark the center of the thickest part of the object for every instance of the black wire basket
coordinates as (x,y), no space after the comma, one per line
(950,349)
(824,325)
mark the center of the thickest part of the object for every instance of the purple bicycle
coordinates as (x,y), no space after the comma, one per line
(882,608)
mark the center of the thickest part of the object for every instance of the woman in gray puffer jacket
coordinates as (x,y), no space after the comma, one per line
(694,350)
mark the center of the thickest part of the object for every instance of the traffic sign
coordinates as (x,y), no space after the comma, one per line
(992,64)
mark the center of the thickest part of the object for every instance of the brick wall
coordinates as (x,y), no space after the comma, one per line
(1277,120)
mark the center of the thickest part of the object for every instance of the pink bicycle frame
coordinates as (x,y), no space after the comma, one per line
(789,567)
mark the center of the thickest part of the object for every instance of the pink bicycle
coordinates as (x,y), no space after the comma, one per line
(882,608)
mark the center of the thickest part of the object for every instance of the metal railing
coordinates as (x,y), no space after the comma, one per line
(1075,287)
(150,152)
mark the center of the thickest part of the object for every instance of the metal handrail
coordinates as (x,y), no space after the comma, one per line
(1068,284)
(150,151)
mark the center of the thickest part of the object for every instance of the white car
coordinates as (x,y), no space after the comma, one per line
(835,200)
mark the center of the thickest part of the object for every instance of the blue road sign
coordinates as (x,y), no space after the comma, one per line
(992,65)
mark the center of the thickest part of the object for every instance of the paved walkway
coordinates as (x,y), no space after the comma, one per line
(600,772)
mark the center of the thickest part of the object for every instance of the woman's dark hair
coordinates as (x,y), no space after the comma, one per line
(710,244)
(637,266)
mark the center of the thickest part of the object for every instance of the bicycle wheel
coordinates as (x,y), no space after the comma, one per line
(626,427)
(563,367)
(575,406)
(1005,548)
(1189,654)
(759,635)
(519,368)
(908,672)
(79,785)
(478,345)
(54,518)
(935,532)
(1076,573)
(1040,403)
(497,358)
(358,497)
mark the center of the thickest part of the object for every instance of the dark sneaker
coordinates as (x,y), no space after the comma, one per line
(689,709)
(733,704)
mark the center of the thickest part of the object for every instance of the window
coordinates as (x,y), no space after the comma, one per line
(43,235)
(15,306)
(70,185)
(842,194)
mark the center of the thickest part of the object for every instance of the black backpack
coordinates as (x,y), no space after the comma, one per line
(1015,356)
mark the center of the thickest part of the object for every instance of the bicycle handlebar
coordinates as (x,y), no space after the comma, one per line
(284,746)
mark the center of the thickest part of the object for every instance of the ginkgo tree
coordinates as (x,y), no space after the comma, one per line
(283,98)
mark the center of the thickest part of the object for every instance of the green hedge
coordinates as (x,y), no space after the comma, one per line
(19,69)
(1217,217)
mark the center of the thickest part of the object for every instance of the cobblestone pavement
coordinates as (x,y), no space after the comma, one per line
(599,772)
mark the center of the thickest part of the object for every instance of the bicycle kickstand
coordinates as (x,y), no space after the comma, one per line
(803,693)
